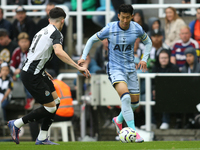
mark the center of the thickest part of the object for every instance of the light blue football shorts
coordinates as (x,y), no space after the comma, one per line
(130,78)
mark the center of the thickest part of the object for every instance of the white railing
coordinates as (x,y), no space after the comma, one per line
(79,13)
(147,103)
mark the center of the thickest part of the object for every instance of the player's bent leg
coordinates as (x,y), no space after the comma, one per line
(47,121)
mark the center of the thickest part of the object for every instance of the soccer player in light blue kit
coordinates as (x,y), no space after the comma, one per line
(121,68)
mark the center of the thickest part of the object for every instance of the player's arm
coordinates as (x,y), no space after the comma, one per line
(62,55)
(148,45)
(87,48)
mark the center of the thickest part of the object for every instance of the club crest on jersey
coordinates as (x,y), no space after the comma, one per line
(47,93)
(123,48)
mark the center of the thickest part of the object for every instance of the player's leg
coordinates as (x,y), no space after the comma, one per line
(41,92)
(47,121)
(133,87)
(118,79)
(42,138)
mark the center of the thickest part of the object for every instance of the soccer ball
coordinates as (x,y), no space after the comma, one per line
(127,135)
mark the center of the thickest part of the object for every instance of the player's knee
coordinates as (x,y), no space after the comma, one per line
(51,109)
(126,97)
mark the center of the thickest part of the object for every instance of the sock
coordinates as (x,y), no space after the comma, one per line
(19,123)
(42,135)
(134,105)
(36,115)
(127,111)
(120,118)
(131,124)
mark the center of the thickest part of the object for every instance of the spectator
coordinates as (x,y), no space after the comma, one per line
(157,43)
(157,46)
(18,58)
(87,5)
(101,55)
(191,64)
(38,2)
(5,24)
(178,56)
(195,27)
(55,62)
(155,25)
(172,26)
(6,86)
(22,23)
(98,19)
(65,110)
(7,46)
(163,65)
(139,18)
(62,2)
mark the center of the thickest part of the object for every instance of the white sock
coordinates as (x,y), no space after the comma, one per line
(19,123)
(42,135)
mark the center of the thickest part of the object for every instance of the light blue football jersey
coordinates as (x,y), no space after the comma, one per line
(121,45)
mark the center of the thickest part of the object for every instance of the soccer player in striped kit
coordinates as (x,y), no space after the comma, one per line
(121,68)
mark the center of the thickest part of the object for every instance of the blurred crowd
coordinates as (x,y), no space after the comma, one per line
(175,47)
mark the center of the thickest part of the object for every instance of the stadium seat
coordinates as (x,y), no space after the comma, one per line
(64,130)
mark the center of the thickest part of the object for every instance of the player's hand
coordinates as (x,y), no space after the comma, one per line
(142,65)
(84,71)
(80,62)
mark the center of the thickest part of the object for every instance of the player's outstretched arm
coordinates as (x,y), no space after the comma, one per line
(87,48)
(62,55)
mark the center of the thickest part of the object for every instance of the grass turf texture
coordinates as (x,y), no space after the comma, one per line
(156,145)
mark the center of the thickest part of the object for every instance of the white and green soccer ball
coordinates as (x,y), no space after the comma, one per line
(127,135)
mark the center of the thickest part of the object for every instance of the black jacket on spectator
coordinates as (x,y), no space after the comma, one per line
(29,27)
(171,68)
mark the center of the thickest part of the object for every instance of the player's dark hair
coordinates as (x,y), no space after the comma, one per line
(126,9)
(3,32)
(57,12)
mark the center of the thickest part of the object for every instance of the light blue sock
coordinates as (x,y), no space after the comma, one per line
(127,111)
(120,118)
(131,124)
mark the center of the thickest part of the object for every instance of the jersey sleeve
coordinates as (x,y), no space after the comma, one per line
(103,33)
(57,37)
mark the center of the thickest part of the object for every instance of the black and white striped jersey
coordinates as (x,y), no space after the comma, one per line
(41,49)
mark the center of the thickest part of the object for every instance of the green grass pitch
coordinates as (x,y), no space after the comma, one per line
(156,145)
